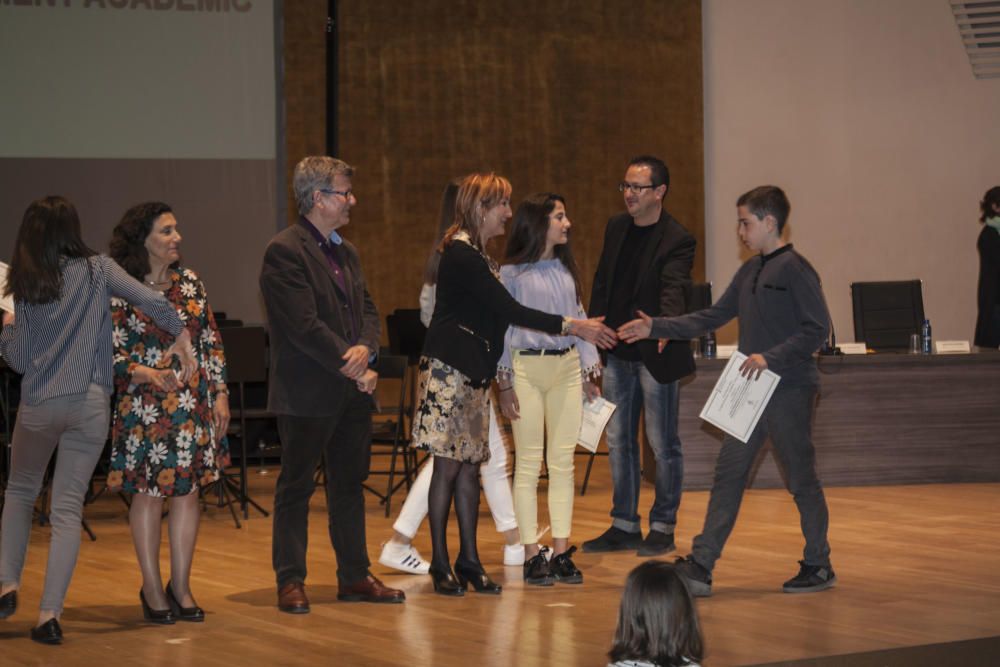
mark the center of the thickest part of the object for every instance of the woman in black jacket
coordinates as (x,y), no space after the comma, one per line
(988,296)
(461,351)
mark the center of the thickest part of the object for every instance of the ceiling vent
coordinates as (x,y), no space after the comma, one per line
(979,26)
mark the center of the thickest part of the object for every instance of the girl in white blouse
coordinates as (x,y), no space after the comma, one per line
(543,379)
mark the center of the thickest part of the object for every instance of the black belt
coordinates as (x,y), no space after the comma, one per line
(546,353)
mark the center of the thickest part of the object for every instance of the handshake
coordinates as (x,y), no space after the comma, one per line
(594,331)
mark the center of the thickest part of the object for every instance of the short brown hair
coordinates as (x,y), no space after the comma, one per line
(315,173)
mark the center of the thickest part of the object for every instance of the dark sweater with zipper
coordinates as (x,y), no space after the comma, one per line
(783,315)
(472,312)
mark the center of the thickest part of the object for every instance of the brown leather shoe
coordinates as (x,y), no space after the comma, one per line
(370,589)
(292,598)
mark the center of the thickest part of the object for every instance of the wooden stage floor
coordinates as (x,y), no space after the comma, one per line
(916,565)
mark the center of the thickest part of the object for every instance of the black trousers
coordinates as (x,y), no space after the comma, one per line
(344,439)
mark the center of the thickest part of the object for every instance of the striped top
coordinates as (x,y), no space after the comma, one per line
(62,346)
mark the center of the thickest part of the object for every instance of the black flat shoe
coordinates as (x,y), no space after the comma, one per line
(446,584)
(8,604)
(48,632)
(476,576)
(158,616)
(193,614)
(562,568)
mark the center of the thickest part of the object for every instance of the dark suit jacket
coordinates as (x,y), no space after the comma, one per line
(662,289)
(308,315)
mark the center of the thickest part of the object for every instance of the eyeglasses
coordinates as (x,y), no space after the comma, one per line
(346,194)
(633,188)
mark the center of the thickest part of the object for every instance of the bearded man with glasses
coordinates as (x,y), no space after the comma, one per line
(645,265)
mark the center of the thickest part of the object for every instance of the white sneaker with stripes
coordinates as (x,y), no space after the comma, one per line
(403,557)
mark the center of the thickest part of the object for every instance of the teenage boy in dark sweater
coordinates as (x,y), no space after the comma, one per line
(783,321)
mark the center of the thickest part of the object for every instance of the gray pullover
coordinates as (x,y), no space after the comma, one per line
(782,312)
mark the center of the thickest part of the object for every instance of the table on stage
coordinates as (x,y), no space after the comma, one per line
(880,419)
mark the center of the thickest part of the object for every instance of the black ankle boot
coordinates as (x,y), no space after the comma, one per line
(475,575)
(445,583)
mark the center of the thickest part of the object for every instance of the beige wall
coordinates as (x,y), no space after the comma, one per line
(867,114)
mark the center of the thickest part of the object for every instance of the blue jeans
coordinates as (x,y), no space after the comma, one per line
(629,385)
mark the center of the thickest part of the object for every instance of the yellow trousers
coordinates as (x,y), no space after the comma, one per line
(549,391)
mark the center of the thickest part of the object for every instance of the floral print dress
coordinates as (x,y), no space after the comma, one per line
(164,443)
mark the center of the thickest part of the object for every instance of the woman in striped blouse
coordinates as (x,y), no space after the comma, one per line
(59,338)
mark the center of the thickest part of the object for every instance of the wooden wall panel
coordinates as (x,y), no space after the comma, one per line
(556,95)
(303,86)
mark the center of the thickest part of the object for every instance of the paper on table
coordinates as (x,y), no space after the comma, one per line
(736,403)
(7,302)
(596,414)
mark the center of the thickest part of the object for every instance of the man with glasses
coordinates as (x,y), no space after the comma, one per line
(324,332)
(645,265)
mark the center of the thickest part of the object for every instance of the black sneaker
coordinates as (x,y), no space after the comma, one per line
(697,578)
(536,571)
(613,539)
(562,569)
(657,543)
(810,579)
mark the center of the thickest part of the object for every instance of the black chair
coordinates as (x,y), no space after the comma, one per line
(406,333)
(390,429)
(887,313)
(246,362)
(700,298)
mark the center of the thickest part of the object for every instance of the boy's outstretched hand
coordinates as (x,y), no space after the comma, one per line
(638,329)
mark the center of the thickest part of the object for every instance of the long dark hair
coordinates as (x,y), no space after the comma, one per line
(526,241)
(128,240)
(448,198)
(990,199)
(657,620)
(50,231)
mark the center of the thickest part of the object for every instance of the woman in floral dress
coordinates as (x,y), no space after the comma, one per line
(168,437)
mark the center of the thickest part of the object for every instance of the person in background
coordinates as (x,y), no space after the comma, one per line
(658,623)
(988,293)
(60,339)
(398,552)
(459,361)
(543,379)
(779,300)
(168,438)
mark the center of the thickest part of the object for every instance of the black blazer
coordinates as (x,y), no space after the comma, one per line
(662,289)
(988,292)
(308,318)
(472,311)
